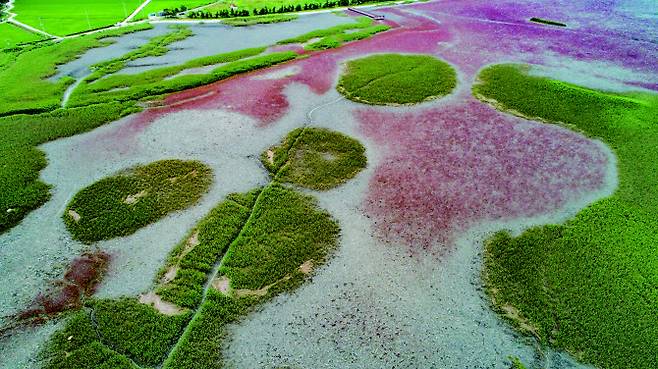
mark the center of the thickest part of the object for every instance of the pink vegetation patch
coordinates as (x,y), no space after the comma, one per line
(80,280)
(447,168)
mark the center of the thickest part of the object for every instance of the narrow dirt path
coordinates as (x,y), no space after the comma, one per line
(134,14)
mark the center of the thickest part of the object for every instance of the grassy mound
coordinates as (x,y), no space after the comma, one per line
(588,286)
(315,158)
(394,79)
(121,204)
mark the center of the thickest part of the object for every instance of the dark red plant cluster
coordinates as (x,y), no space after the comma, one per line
(80,281)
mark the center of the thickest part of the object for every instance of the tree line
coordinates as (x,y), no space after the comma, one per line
(230,13)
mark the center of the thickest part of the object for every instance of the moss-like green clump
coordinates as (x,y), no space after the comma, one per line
(263,19)
(121,204)
(588,286)
(315,158)
(114,334)
(285,230)
(136,330)
(394,79)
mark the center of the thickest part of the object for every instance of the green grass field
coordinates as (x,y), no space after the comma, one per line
(12,35)
(587,286)
(71,16)
(394,79)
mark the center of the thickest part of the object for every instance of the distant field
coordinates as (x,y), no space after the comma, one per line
(71,16)
(12,35)
(157,5)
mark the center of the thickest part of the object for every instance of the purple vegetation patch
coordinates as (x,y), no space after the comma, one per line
(80,280)
(447,168)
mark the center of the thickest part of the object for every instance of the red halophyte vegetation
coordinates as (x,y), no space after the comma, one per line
(446,169)
(80,280)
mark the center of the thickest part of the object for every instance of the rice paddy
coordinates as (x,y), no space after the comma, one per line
(421,184)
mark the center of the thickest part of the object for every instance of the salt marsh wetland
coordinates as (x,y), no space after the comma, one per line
(435,184)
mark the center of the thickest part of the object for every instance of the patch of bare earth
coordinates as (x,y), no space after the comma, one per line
(74,215)
(132,199)
(158,304)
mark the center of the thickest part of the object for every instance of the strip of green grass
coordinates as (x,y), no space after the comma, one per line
(62,18)
(120,81)
(396,79)
(588,286)
(21,191)
(263,19)
(12,35)
(155,47)
(23,77)
(83,97)
(361,22)
(122,204)
(337,40)
(315,158)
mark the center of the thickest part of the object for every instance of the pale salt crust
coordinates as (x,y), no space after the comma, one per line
(376,306)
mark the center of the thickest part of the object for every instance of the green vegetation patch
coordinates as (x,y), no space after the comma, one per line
(587,286)
(548,22)
(137,330)
(156,83)
(67,17)
(24,73)
(12,36)
(194,258)
(77,346)
(263,19)
(361,23)
(285,230)
(21,190)
(156,46)
(315,158)
(337,40)
(394,79)
(121,204)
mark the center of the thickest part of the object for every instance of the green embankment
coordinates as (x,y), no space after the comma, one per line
(588,286)
(394,79)
(121,204)
(62,18)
